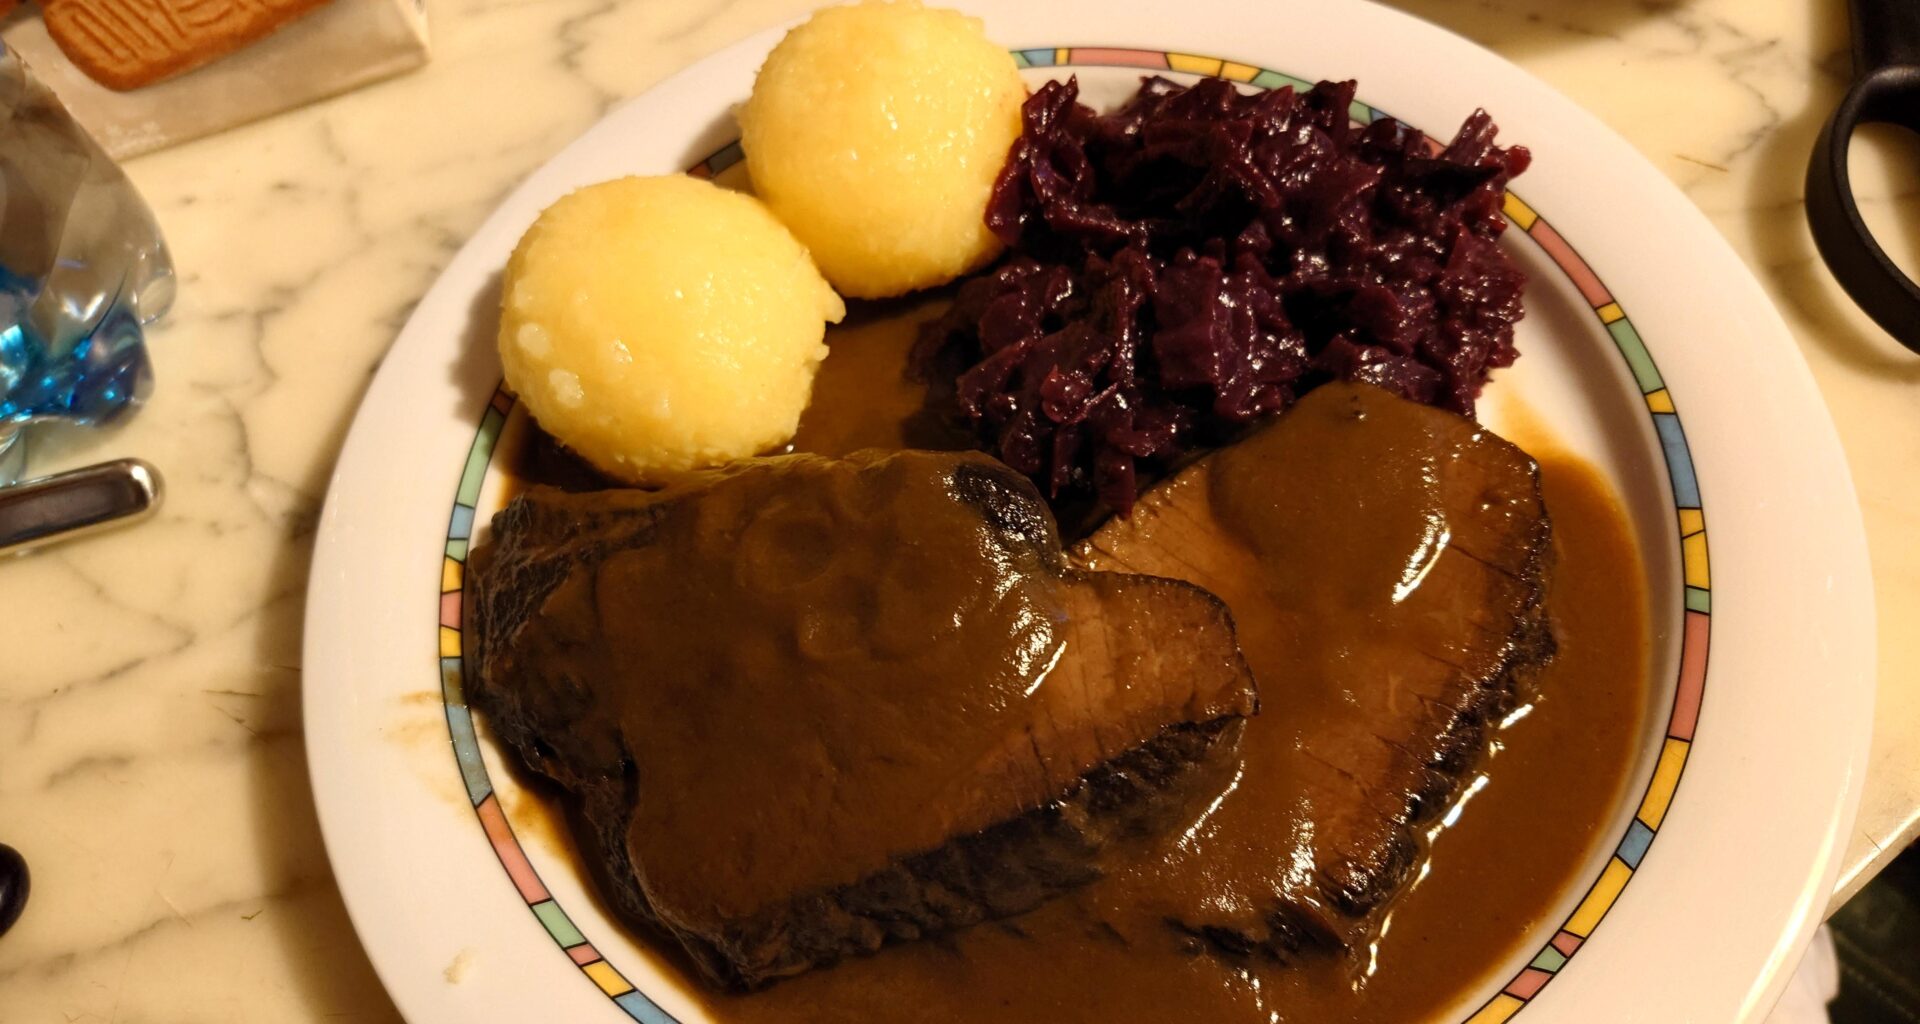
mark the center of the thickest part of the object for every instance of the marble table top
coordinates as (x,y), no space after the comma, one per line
(151,762)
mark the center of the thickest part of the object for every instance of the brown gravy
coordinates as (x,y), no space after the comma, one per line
(1490,881)
(862,397)
(1491,878)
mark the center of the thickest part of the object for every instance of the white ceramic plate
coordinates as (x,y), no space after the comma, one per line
(1647,348)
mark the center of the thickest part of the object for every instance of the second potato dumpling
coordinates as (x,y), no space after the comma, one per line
(875,132)
(660,325)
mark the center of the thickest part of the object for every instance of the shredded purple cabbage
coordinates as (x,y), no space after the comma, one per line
(1200,258)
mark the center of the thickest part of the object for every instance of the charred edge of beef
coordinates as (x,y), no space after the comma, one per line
(1294,930)
(1010,504)
(492,613)
(1464,746)
(1007,869)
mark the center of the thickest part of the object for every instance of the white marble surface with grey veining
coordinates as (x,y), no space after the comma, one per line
(151,764)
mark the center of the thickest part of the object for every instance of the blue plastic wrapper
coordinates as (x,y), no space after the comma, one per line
(82,268)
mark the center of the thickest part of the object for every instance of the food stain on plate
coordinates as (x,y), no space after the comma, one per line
(457,967)
(418,728)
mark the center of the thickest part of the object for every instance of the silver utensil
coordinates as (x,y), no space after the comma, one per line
(43,511)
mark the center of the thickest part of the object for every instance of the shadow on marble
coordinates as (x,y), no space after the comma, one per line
(1518,29)
(304,915)
(1898,151)
(475,369)
(1783,253)
(307,918)
(709,139)
(53,445)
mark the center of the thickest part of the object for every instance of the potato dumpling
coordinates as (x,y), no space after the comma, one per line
(657,325)
(875,131)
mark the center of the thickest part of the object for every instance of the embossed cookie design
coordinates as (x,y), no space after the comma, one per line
(125,44)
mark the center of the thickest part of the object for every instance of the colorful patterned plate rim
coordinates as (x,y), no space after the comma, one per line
(1600,894)
(613,973)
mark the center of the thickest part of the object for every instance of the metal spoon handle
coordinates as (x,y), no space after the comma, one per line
(35,513)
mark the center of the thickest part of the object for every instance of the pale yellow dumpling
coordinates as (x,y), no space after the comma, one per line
(875,132)
(658,325)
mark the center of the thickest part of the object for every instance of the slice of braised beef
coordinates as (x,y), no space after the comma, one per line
(811,706)
(1386,563)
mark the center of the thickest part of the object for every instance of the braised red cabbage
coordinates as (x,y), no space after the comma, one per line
(1200,258)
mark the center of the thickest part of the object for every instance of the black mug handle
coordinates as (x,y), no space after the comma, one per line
(1886,56)
(13,886)
(1886,33)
